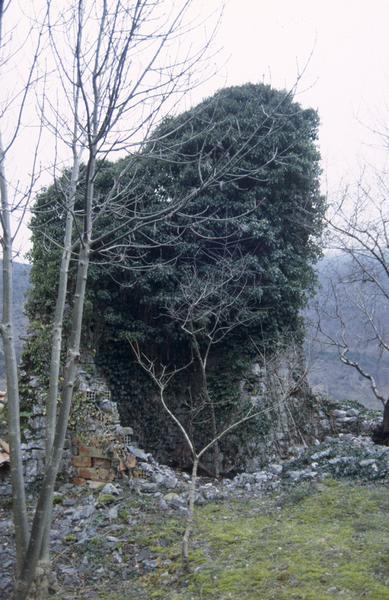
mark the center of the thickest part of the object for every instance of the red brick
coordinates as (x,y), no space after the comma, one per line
(81,461)
(97,473)
(84,450)
(78,481)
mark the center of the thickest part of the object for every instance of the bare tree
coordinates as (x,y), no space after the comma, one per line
(208,306)
(352,317)
(162,377)
(13,103)
(119,66)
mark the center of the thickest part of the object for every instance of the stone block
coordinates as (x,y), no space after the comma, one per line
(101,462)
(81,461)
(37,423)
(84,450)
(96,473)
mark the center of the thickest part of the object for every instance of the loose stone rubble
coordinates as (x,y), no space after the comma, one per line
(94,519)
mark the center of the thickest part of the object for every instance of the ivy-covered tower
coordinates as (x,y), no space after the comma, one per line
(233,255)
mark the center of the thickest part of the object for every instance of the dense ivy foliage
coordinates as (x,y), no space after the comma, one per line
(243,168)
(249,156)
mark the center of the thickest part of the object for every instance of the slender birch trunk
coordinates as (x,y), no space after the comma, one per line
(189,520)
(44,507)
(45,500)
(8,335)
(56,346)
(204,383)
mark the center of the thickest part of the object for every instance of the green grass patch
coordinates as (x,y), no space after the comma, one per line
(328,544)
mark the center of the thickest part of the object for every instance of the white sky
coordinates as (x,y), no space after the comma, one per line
(347,77)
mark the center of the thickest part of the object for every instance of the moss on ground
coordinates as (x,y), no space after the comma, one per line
(327,544)
(314,542)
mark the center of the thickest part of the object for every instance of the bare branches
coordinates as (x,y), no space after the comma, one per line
(162,377)
(359,290)
(111,71)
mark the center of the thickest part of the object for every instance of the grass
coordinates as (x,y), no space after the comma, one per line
(328,544)
(312,543)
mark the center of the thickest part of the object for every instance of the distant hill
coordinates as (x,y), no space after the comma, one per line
(21,283)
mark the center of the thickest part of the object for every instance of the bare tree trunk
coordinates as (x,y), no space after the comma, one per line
(211,405)
(55,360)
(189,519)
(45,500)
(8,335)
(386,417)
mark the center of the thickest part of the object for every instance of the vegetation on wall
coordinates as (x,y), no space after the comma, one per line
(259,217)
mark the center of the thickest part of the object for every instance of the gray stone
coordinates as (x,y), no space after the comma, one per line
(110,488)
(163,505)
(339,413)
(69,502)
(175,500)
(32,469)
(367,462)
(69,574)
(148,487)
(117,557)
(168,481)
(275,468)
(107,406)
(341,460)
(353,412)
(209,492)
(38,454)
(147,468)
(37,422)
(302,474)
(323,454)
(34,382)
(138,453)
(260,477)
(112,539)
(113,512)
(126,431)
(150,565)
(83,513)
(345,420)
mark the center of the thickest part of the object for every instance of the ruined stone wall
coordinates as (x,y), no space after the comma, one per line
(288,413)
(288,416)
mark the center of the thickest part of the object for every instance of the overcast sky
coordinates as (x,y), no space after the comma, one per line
(343,47)
(346,46)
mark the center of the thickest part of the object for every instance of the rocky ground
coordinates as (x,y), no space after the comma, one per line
(109,534)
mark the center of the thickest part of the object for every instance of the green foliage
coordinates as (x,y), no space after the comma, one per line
(248,157)
(244,168)
(105,500)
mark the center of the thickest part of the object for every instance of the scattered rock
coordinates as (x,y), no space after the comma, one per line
(175,500)
(148,487)
(138,453)
(110,488)
(339,413)
(275,468)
